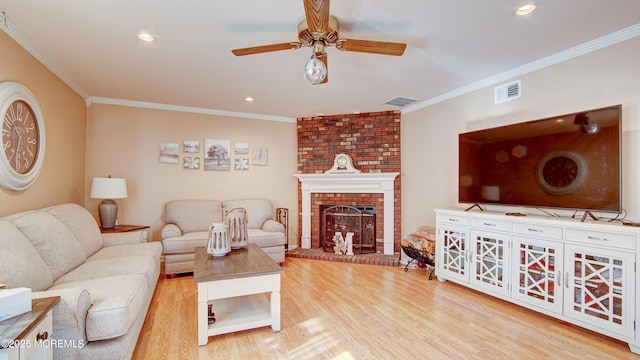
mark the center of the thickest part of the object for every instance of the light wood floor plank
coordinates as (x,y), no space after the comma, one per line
(336,310)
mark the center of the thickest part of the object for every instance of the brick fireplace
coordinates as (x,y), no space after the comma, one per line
(373,142)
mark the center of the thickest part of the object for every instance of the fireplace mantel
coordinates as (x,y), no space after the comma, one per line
(357,183)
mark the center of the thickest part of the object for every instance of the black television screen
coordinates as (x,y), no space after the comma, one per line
(568,162)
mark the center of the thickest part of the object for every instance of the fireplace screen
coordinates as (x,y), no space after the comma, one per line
(359,220)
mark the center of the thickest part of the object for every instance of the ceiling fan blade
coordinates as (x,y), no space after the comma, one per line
(374,47)
(317,14)
(266,48)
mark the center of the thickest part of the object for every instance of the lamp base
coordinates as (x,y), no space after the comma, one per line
(108,210)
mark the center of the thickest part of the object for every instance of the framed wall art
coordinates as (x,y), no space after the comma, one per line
(216,154)
(191,162)
(260,156)
(241,148)
(191,146)
(169,153)
(241,164)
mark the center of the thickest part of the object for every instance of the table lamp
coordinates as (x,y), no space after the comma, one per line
(108,189)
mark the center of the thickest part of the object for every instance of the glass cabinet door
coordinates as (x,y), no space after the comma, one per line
(489,261)
(600,288)
(452,251)
(537,277)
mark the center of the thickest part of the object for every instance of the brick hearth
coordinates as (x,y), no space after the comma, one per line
(367,259)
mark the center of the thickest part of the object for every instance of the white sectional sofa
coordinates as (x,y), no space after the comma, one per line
(187,224)
(105,281)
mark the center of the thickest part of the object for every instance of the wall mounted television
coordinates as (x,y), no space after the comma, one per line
(571,161)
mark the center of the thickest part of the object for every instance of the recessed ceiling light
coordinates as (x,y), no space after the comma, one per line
(146,37)
(248,99)
(527,9)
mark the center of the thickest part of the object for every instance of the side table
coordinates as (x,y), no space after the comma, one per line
(26,336)
(126,228)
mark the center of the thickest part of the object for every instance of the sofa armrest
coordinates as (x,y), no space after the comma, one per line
(71,311)
(122,238)
(272,226)
(170,231)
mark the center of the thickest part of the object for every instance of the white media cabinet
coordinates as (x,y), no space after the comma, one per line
(581,272)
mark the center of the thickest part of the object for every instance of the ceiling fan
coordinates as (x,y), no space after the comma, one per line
(319,30)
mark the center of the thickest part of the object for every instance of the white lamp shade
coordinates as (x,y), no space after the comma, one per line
(109,188)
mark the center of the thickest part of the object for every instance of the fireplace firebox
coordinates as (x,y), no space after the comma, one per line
(359,220)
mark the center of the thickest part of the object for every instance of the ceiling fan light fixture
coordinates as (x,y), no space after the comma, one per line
(314,71)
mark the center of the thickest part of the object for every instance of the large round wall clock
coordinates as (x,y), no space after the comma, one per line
(23,136)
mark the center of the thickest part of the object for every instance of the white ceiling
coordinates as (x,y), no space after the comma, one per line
(453,46)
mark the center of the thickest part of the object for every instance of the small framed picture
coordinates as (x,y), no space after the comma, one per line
(169,153)
(260,156)
(191,162)
(241,148)
(191,146)
(241,164)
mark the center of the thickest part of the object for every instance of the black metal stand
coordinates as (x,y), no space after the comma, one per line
(283,218)
(584,216)
(421,257)
(473,206)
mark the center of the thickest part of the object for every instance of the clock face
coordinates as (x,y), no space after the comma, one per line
(23,136)
(20,136)
(342,161)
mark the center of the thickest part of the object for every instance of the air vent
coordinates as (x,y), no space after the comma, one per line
(509,91)
(400,101)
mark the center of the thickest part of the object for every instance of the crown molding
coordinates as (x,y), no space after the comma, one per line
(23,40)
(187,109)
(585,48)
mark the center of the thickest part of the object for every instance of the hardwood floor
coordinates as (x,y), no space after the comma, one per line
(336,310)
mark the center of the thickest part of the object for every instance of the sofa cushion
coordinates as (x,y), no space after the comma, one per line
(53,241)
(193,215)
(15,270)
(265,238)
(82,225)
(117,301)
(152,249)
(258,211)
(186,243)
(140,264)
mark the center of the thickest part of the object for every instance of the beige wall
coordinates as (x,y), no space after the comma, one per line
(125,142)
(430,135)
(61,179)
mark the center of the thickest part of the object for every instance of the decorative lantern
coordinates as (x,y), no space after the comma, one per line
(218,244)
(237,226)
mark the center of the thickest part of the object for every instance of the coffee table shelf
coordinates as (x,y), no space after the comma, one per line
(235,285)
(240,313)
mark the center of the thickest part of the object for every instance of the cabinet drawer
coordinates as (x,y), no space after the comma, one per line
(453,219)
(41,332)
(624,241)
(490,224)
(549,232)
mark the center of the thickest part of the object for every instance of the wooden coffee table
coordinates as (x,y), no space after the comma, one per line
(236,285)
